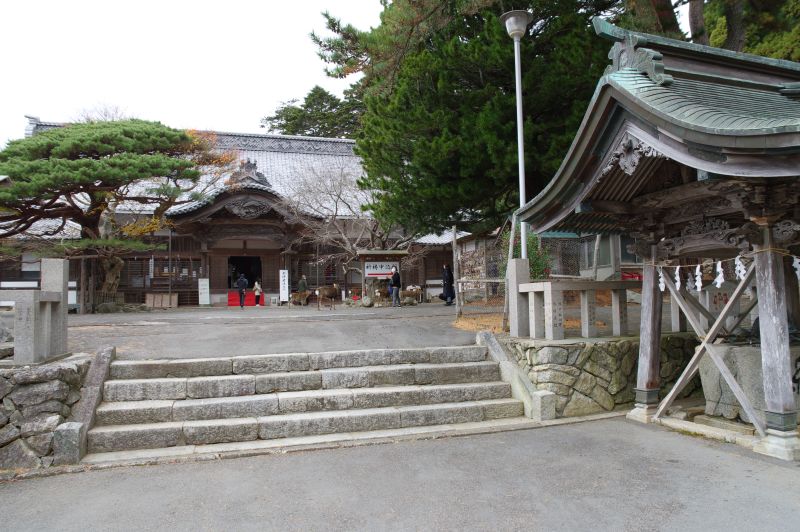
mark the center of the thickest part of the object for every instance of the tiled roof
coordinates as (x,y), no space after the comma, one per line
(443,239)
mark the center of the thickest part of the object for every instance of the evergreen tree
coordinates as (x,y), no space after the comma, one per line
(439,140)
(321,114)
(80,172)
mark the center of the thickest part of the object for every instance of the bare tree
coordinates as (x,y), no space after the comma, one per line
(328,206)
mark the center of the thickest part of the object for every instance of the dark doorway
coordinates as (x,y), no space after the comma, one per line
(249,266)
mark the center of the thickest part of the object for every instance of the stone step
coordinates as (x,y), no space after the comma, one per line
(201,432)
(158,411)
(328,379)
(279,363)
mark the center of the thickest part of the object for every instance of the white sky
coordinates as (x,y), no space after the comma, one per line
(189,64)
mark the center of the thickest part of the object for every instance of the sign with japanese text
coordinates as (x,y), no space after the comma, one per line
(380,268)
(284,280)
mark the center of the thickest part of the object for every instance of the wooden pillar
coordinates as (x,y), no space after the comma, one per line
(648,376)
(676,317)
(781,414)
(781,411)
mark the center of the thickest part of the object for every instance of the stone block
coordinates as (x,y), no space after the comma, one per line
(288,382)
(450,374)
(292,426)
(543,405)
(55,407)
(629,361)
(271,363)
(449,355)
(558,389)
(365,420)
(293,402)
(555,376)
(33,394)
(618,383)
(502,408)
(8,434)
(415,416)
(597,370)
(5,387)
(585,383)
(143,389)
(609,361)
(387,396)
(457,393)
(349,359)
(602,397)
(132,412)
(150,369)
(39,424)
(220,431)
(41,443)
(73,397)
(391,376)
(17,455)
(43,373)
(345,378)
(128,437)
(409,356)
(581,405)
(250,406)
(69,443)
(550,355)
(221,386)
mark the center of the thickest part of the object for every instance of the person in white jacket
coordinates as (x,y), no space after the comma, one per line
(257,291)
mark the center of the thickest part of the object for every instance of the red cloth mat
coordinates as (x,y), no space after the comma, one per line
(249,298)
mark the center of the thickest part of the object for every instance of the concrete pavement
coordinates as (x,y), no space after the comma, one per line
(211,332)
(602,475)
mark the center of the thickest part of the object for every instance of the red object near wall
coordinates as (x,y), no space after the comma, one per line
(249,298)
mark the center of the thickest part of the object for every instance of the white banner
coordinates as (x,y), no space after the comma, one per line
(284,279)
(380,269)
(203,292)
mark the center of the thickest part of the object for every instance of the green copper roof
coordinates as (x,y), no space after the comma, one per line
(708,106)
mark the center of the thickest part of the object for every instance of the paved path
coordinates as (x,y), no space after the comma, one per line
(232,331)
(603,475)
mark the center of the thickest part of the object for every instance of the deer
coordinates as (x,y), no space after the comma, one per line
(328,292)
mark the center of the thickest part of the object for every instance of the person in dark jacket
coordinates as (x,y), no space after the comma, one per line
(394,284)
(447,285)
(241,285)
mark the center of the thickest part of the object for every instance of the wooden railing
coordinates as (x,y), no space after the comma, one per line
(546,306)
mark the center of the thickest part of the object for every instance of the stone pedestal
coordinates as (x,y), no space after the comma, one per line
(778,444)
(518,272)
(643,413)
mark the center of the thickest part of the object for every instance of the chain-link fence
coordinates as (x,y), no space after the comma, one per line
(567,256)
(480,285)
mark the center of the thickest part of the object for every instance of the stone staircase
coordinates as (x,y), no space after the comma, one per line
(192,405)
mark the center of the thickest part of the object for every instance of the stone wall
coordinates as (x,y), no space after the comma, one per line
(36,400)
(597,375)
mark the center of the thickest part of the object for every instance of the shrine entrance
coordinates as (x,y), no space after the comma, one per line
(249,266)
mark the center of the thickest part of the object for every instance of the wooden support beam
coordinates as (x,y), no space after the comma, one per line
(707,338)
(648,377)
(781,410)
(619,312)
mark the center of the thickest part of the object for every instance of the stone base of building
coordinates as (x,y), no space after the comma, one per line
(642,413)
(778,444)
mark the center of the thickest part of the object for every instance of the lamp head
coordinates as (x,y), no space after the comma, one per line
(516,22)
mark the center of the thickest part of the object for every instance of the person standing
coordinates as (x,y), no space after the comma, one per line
(241,284)
(257,291)
(302,290)
(394,285)
(447,285)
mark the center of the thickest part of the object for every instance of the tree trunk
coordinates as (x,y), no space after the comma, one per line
(667,19)
(697,22)
(734,17)
(112,268)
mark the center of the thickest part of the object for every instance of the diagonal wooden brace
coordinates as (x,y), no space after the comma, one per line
(709,339)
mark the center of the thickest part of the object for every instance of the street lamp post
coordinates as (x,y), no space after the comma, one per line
(516,23)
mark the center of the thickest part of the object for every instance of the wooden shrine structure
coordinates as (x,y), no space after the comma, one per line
(695,152)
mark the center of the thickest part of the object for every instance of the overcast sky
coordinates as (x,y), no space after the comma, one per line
(189,64)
